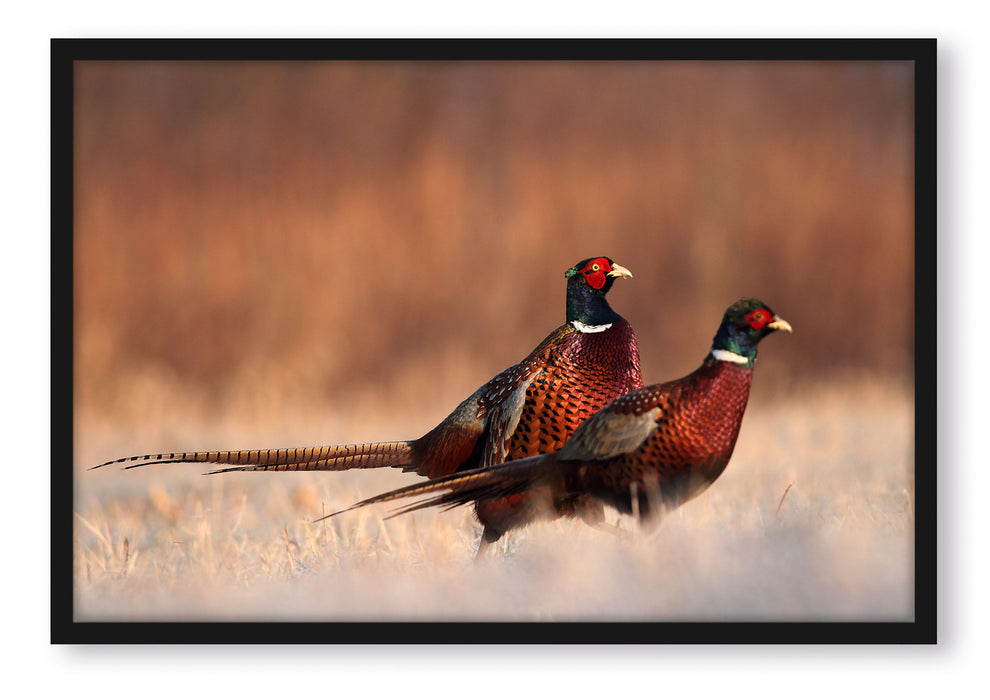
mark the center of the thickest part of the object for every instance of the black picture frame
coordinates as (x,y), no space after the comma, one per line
(65,52)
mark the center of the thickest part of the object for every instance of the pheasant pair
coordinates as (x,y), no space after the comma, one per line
(509,447)
(651,449)
(528,409)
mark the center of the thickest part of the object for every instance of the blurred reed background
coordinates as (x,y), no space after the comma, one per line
(253,238)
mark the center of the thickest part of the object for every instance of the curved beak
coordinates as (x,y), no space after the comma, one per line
(779,324)
(619,271)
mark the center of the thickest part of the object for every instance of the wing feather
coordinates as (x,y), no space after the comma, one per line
(618,428)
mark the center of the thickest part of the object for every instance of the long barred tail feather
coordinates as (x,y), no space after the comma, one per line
(368,455)
(466,487)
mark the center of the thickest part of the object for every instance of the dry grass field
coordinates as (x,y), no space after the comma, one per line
(166,543)
(288,254)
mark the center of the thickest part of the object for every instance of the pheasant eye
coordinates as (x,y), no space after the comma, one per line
(758,318)
(596,267)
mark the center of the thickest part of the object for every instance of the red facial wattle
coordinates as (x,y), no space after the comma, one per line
(595,272)
(758,318)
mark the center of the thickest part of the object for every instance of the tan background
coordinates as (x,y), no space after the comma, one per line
(332,226)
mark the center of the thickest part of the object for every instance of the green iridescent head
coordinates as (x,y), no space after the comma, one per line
(744,325)
(587,284)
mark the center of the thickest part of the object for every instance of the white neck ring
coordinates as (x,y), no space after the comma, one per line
(729,356)
(585,328)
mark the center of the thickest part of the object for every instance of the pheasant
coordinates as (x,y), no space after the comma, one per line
(646,452)
(528,409)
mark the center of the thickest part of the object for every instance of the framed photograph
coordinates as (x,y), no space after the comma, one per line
(327,270)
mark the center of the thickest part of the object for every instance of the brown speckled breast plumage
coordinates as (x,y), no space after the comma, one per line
(697,424)
(578,374)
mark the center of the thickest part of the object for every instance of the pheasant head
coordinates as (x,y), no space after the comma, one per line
(744,325)
(587,284)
